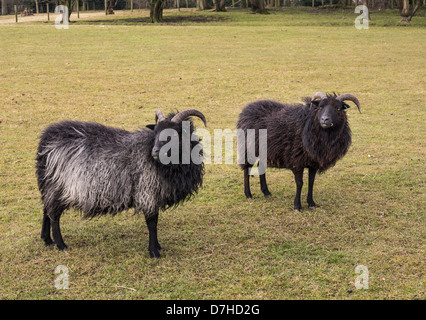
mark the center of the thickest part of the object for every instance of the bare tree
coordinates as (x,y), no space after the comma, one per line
(258,6)
(4,7)
(202,5)
(404,9)
(111,5)
(70,5)
(219,5)
(156,10)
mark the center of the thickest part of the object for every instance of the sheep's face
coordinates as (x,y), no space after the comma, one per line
(173,141)
(166,132)
(330,112)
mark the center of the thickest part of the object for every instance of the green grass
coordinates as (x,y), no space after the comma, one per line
(219,245)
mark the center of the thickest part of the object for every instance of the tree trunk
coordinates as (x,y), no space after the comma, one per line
(111,6)
(258,6)
(203,5)
(405,8)
(4,7)
(70,5)
(156,10)
(219,5)
(405,12)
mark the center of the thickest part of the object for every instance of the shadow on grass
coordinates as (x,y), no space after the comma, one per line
(168,20)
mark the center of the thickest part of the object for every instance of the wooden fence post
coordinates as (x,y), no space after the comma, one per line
(16,13)
(47,9)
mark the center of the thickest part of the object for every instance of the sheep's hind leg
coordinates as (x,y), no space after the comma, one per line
(153,247)
(263,185)
(298,177)
(312,173)
(45,229)
(247,183)
(54,214)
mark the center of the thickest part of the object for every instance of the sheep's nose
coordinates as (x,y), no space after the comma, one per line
(155,151)
(326,122)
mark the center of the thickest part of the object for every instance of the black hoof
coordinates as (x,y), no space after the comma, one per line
(48,241)
(62,247)
(155,254)
(312,205)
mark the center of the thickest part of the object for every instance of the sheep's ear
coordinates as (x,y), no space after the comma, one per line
(345,106)
(315,103)
(151,126)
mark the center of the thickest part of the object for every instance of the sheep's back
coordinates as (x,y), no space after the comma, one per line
(284,124)
(86,165)
(255,114)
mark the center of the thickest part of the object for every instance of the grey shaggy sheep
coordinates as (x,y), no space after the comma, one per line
(313,135)
(100,170)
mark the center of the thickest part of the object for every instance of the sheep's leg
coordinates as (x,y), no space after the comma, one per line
(263,185)
(298,177)
(157,244)
(312,173)
(247,183)
(57,237)
(54,214)
(153,247)
(45,229)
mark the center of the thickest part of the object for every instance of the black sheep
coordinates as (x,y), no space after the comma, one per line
(313,135)
(98,170)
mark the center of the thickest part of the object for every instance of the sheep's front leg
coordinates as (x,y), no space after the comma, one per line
(264,186)
(298,177)
(312,173)
(247,183)
(153,247)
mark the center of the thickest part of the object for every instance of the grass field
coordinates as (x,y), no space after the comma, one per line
(219,245)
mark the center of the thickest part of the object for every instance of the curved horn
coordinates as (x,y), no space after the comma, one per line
(159,116)
(178,118)
(319,95)
(350,97)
